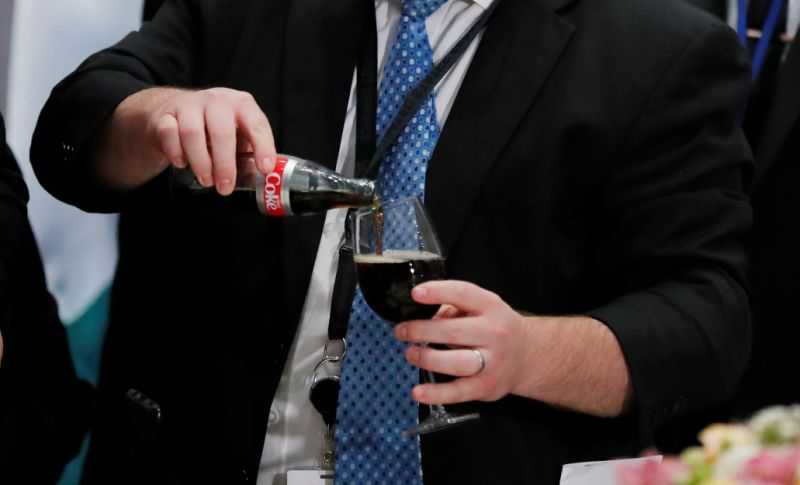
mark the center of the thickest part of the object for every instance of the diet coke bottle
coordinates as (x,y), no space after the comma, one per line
(294,187)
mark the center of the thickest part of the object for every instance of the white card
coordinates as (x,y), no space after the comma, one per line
(597,472)
(309,477)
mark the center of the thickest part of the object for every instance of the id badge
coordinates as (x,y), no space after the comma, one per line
(312,476)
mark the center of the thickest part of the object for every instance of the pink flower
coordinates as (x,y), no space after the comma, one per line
(668,472)
(772,466)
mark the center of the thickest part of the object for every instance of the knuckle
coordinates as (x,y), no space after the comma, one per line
(215,93)
(189,131)
(261,126)
(424,357)
(172,152)
(158,125)
(460,394)
(499,331)
(246,97)
(455,332)
(494,300)
(222,169)
(413,332)
(222,132)
(165,128)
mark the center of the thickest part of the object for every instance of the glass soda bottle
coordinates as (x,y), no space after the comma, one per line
(294,187)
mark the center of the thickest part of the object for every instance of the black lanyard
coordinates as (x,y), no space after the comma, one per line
(368,155)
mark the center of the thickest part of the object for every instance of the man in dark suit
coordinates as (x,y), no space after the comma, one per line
(591,169)
(44,407)
(771,127)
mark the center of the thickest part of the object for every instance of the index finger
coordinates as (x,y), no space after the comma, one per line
(253,124)
(463,295)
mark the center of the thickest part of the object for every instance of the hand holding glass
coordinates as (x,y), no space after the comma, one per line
(395,249)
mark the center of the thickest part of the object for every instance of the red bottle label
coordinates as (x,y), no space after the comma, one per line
(273,198)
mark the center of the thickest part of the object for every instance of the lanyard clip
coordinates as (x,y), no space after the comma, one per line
(324,391)
(335,349)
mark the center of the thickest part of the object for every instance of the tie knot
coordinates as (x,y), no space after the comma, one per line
(421,9)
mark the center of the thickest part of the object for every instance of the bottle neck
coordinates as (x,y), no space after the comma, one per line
(298,186)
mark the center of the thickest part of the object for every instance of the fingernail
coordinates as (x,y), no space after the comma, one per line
(401,332)
(266,164)
(179,163)
(224,186)
(412,355)
(421,291)
(204,180)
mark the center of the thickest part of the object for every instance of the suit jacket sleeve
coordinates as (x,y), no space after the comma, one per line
(162,53)
(44,408)
(676,220)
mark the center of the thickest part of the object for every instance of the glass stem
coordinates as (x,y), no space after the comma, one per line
(437,410)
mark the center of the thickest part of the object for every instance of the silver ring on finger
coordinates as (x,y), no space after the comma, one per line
(481,361)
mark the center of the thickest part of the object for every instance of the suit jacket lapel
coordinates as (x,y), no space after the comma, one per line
(783,113)
(519,48)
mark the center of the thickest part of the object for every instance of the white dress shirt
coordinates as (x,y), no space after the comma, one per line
(295,432)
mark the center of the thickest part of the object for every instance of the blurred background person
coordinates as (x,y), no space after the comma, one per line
(41,41)
(44,408)
(771,126)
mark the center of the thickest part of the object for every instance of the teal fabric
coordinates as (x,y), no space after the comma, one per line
(86,344)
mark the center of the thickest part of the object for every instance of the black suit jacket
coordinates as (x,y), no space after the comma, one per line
(591,163)
(44,408)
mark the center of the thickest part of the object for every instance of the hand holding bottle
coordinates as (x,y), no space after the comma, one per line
(203,130)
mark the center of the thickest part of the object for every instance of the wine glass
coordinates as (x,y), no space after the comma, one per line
(395,249)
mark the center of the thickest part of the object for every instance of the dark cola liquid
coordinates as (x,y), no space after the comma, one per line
(315,201)
(386,282)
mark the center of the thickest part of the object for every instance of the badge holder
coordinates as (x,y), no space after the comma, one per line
(311,476)
(323,394)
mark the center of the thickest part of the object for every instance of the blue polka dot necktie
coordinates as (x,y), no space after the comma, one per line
(375,404)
